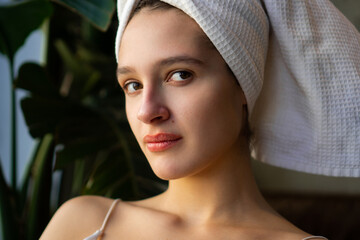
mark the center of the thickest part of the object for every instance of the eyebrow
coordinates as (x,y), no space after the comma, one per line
(180,59)
(123,70)
(165,62)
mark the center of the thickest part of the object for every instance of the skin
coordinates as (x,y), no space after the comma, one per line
(212,193)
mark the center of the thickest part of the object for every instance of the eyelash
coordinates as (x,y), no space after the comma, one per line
(168,79)
(129,83)
(180,71)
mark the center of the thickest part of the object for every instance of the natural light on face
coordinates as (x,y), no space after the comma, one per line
(182,103)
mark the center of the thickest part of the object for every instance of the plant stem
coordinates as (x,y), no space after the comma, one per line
(13,128)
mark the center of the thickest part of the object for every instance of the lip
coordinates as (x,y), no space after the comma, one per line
(161,141)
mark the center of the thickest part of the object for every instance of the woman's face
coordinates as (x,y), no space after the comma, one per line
(183,104)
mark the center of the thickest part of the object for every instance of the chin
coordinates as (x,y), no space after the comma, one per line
(166,174)
(168,170)
(174,171)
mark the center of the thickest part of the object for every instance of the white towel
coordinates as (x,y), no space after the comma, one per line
(298,62)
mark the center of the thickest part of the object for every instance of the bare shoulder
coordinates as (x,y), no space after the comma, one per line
(77,218)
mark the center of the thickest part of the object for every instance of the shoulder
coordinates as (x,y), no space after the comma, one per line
(77,218)
(275,226)
(298,235)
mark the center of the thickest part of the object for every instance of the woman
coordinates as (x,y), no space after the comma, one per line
(192,73)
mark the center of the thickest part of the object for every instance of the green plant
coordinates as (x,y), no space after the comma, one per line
(75,111)
(11,38)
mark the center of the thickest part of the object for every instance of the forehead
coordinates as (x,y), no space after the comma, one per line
(165,30)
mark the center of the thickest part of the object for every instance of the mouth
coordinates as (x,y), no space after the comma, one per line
(161,142)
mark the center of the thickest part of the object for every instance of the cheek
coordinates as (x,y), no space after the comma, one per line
(213,114)
(131,114)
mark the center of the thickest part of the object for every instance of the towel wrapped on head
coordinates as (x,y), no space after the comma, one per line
(298,63)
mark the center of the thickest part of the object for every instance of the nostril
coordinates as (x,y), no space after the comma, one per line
(157,119)
(153,113)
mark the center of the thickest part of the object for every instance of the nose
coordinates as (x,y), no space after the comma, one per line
(153,109)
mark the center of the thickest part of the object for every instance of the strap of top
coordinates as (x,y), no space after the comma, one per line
(100,232)
(315,237)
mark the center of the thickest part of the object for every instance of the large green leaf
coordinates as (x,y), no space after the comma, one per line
(43,114)
(98,12)
(32,77)
(45,108)
(18,20)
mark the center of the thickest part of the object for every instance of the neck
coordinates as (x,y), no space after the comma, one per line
(223,192)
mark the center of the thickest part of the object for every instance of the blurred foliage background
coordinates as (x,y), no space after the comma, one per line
(75,111)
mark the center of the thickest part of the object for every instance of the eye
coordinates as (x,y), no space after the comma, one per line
(132,87)
(180,76)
